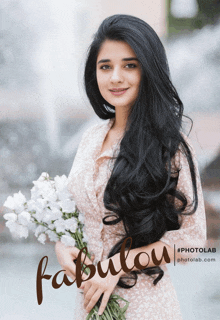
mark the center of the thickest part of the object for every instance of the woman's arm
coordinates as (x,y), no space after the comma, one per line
(192,232)
(136,259)
(157,253)
(98,285)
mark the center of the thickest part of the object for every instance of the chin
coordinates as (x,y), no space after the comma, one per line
(119,104)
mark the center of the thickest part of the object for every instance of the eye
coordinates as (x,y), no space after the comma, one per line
(130,66)
(105,67)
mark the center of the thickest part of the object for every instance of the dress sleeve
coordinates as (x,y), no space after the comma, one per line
(192,233)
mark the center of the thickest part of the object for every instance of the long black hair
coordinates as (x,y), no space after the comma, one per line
(142,188)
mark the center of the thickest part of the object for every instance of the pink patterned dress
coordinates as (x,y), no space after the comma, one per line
(87,180)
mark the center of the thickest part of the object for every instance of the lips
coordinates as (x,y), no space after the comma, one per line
(118,91)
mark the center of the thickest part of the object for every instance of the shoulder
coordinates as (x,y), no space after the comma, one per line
(190,146)
(87,145)
(188,141)
(180,158)
(92,130)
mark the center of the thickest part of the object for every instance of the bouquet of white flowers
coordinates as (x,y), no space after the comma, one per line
(51,212)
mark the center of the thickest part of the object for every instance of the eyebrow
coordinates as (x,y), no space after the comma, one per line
(125,59)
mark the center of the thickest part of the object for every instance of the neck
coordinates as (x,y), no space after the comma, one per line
(120,119)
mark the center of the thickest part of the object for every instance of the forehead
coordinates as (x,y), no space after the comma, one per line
(112,49)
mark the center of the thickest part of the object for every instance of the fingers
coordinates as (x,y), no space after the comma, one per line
(75,252)
(91,298)
(104,302)
(70,270)
(87,260)
(63,251)
(66,257)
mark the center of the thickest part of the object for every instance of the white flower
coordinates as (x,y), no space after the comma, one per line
(9,203)
(39,230)
(16,202)
(49,200)
(12,225)
(51,226)
(55,213)
(68,240)
(68,206)
(60,182)
(31,205)
(37,205)
(52,235)
(22,231)
(49,216)
(37,208)
(71,224)
(44,176)
(17,230)
(35,193)
(49,195)
(47,191)
(42,238)
(81,217)
(63,195)
(53,204)
(10,216)
(44,189)
(39,216)
(32,226)
(24,218)
(60,225)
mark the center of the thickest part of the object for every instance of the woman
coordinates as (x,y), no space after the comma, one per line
(134,175)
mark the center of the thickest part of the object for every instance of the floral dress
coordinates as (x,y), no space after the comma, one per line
(87,180)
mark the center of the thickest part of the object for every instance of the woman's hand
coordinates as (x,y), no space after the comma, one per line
(97,286)
(66,256)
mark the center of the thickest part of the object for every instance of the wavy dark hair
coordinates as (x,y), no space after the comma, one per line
(142,188)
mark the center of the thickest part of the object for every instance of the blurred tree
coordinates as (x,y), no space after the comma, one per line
(208,13)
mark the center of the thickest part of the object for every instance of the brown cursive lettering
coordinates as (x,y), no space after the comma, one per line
(165,255)
(41,276)
(80,269)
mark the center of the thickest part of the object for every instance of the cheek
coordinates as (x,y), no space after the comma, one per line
(138,85)
(101,81)
(135,79)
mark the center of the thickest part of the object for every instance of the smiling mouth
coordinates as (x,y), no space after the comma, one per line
(118,90)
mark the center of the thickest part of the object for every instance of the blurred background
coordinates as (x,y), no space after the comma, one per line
(44,111)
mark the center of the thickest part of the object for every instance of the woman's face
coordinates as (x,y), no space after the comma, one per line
(118,73)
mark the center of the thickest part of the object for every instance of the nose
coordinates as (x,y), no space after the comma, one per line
(116,75)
